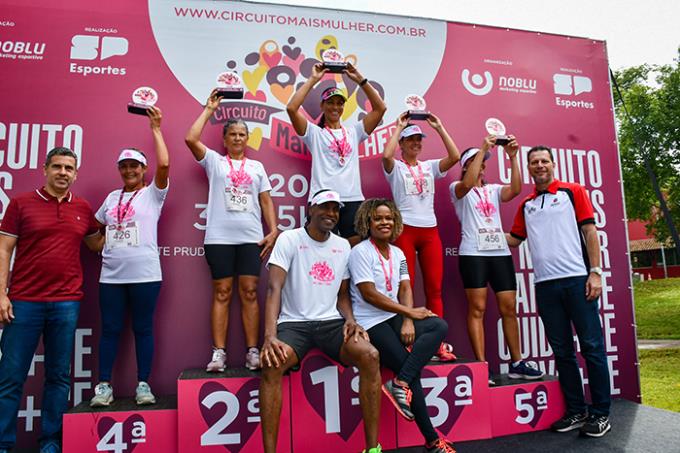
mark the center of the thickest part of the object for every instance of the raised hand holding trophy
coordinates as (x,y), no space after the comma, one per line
(229,85)
(334,61)
(143,98)
(416,106)
(496,127)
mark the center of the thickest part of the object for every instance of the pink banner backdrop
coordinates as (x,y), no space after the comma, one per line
(68,72)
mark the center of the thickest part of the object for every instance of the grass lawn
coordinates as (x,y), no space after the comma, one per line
(657,309)
(660,378)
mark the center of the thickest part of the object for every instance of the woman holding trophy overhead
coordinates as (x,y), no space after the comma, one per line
(412,185)
(131,268)
(484,256)
(334,147)
(238,198)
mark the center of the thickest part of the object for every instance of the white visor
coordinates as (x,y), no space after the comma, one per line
(325,197)
(472,153)
(132,154)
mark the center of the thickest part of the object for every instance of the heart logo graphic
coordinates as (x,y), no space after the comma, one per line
(258,96)
(458,390)
(253,78)
(538,401)
(294,63)
(271,59)
(281,93)
(292,52)
(349,415)
(106,424)
(216,409)
(255,139)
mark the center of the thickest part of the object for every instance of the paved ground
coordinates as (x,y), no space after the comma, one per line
(658,344)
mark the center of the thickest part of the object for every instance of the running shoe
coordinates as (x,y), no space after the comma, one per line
(103,395)
(400,396)
(444,353)
(253,359)
(216,365)
(569,422)
(143,395)
(441,446)
(492,382)
(596,426)
(525,370)
(377,449)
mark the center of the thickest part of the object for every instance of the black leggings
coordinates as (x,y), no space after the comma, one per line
(386,337)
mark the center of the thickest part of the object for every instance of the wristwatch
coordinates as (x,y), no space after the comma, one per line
(596,270)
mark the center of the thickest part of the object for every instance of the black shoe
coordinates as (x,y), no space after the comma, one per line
(596,426)
(569,422)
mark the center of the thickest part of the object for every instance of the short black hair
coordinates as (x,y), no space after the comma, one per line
(60,151)
(540,148)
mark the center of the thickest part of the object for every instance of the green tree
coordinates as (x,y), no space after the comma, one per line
(651,133)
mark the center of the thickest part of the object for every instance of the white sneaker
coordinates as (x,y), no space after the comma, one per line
(216,365)
(143,395)
(103,395)
(253,359)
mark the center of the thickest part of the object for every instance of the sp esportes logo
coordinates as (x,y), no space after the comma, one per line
(271,75)
(482,84)
(477,85)
(95,49)
(572,85)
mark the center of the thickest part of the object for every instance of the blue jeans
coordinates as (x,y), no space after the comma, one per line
(561,303)
(56,321)
(113,301)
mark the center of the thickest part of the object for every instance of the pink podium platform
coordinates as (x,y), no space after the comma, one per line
(122,427)
(220,412)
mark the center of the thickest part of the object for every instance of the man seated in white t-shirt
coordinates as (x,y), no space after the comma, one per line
(308,305)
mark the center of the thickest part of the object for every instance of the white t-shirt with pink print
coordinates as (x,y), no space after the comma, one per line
(315,272)
(140,263)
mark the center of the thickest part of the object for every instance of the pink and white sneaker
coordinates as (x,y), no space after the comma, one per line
(253,359)
(216,365)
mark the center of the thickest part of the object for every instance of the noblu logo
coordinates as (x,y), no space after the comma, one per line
(22,50)
(567,84)
(477,85)
(92,47)
(480,85)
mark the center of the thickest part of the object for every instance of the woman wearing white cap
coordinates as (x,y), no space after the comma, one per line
(131,269)
(334,147)
(238,199)
(412,184)
(484,256)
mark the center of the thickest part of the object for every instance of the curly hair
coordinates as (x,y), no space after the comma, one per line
(362,219)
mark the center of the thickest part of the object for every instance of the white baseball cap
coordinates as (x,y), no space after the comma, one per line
(470,154)
(411,130)
(132,154)
(326,196)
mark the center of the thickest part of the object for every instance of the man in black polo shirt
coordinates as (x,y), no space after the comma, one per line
(558,220)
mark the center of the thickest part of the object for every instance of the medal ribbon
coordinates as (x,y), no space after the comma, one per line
(237,177)
(487,207)
(120,214)
(418,180)
(388,279)
(340,147)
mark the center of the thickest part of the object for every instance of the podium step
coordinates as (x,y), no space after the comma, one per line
(122,427)
(219,411)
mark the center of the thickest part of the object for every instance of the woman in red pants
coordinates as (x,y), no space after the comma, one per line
(412,185)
